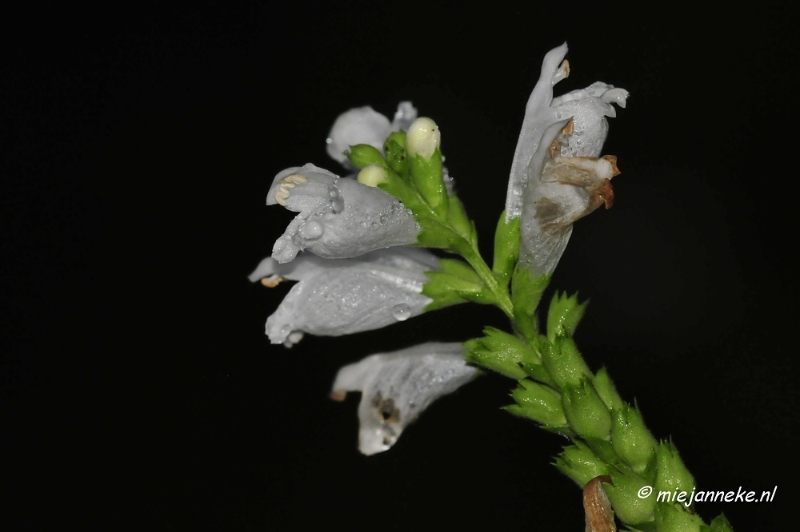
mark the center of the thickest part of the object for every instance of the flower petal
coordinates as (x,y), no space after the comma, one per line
(397,387)
(345,296)
(538,116)
(361,125)
(556,176)
(339,217)
(587,109)
(364,125)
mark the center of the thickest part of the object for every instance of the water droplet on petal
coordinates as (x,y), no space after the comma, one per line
(311,230)
(401,312)
(337,205)
(333,191)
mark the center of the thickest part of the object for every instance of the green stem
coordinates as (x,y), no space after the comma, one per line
(471,254)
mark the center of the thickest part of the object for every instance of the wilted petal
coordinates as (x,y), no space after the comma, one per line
(538,117)
(364,125)
(397,387)
(339,217)
(557,156)
(344,296)
(586,109)
(570,188)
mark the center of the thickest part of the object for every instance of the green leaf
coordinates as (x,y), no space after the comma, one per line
(500,352)
(506,249)
(456,282)
(564,314)
(525,296)
(363,155)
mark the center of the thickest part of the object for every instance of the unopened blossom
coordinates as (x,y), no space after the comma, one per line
(556,175)
(338,217)
(335,297)
(364,125)
(397,387)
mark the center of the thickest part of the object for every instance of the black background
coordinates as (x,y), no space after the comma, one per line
(138,143)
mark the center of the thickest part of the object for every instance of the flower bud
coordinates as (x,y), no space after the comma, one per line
(631,439)
(363,155)
(580,464)
(631,497)
(539,403)
(423,138)
(673,517)
(671,474)
(372,176)
(425,163)
(586,413)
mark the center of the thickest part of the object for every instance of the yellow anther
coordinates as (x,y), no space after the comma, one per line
(272,281)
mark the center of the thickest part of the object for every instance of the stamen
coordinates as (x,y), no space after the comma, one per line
(272,281)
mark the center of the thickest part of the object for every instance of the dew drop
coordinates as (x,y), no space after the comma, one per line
(337,205)
(311,230)
(333,191)
(401,312)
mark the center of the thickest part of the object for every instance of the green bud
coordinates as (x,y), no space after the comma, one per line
(373,175)
(580,464)
(539,403)
(395,150)
(363,155)
(606,390)
(499,351)
(506,249)
(563,315)
(673,517)
(564,362)
(631,497)
(631,439)
(671,474)
(585,411)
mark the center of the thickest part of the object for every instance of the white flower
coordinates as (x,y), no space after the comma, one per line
(397,387)
(344,296)
(339,217)
(364,125)
(556,176)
